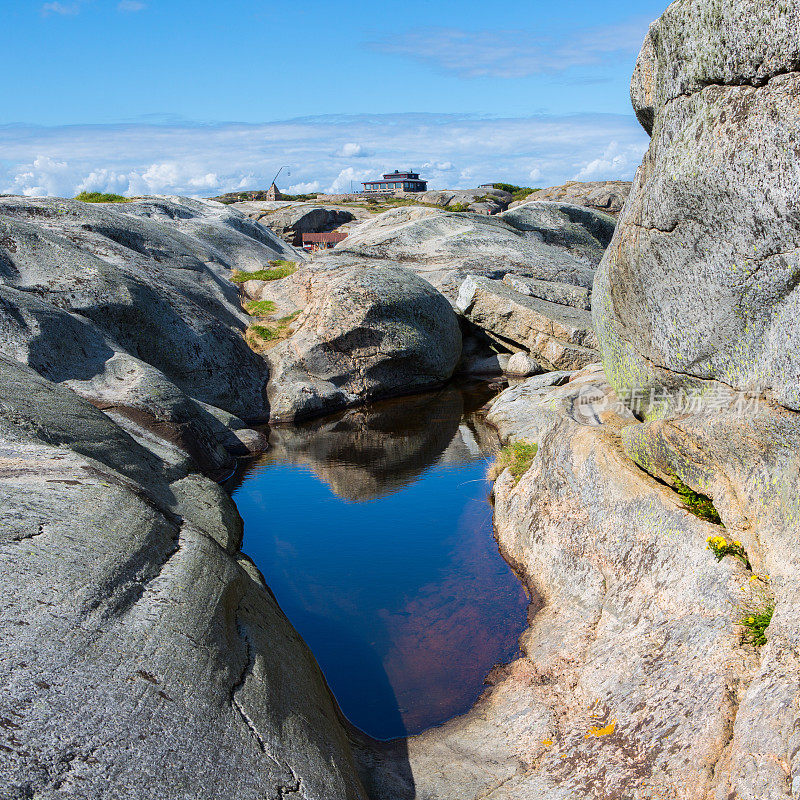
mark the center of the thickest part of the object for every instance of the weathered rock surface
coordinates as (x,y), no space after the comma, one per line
(142,654)
(444,247)
(556,336)
(369,331)
(522,365)
(491,200)
(607,196)
(700,282)
(580,231)
(129,305)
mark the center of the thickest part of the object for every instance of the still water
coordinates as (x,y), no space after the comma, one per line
(374,530)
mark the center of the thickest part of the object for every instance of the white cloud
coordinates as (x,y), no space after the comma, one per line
(515,53)
(64,9)
(353,150)
(349,180)
(441,166)
(130,6)
(616,160)
(450,150)
(304,188)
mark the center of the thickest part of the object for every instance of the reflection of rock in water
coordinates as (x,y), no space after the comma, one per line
(473,441)
(371,452)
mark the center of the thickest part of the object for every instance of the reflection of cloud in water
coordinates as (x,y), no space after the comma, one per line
(447,637)
(368,453)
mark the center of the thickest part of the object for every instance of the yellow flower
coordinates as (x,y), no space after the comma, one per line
(737,544)
(751,620)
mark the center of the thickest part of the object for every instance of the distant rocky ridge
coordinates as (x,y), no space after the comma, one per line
(607,196)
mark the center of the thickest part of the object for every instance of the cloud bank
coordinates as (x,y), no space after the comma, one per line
(324,153)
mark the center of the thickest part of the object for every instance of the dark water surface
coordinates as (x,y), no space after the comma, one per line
(374,531)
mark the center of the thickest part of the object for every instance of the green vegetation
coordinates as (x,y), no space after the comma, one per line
(261,337)
(757,613)
(519,192)
(99,197)
(755,624)
(698,504)
(298,197)
(259,308)
(517,457)
(458,207)
(280,269)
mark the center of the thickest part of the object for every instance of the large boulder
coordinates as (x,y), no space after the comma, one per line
(700,282)
(556,336)
(606,196)
(695,305)
(444,247)
(369,331)
(143,656)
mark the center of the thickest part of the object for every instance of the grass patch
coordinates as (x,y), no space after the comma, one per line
(755,623)
(281,268)
(99,197)
(458,207)
(260,308)
(517,457)
(757,614)
(698,504)
(262,337)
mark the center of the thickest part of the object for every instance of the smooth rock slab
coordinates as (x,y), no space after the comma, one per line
(444,247)
(564,294)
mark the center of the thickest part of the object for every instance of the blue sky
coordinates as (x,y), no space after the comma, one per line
(197,97)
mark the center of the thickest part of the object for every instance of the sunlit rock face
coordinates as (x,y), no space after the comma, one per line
(367,333)
(700,281)
(130,306)
(444,247)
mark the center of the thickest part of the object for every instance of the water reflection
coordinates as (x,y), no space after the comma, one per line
(374,531)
